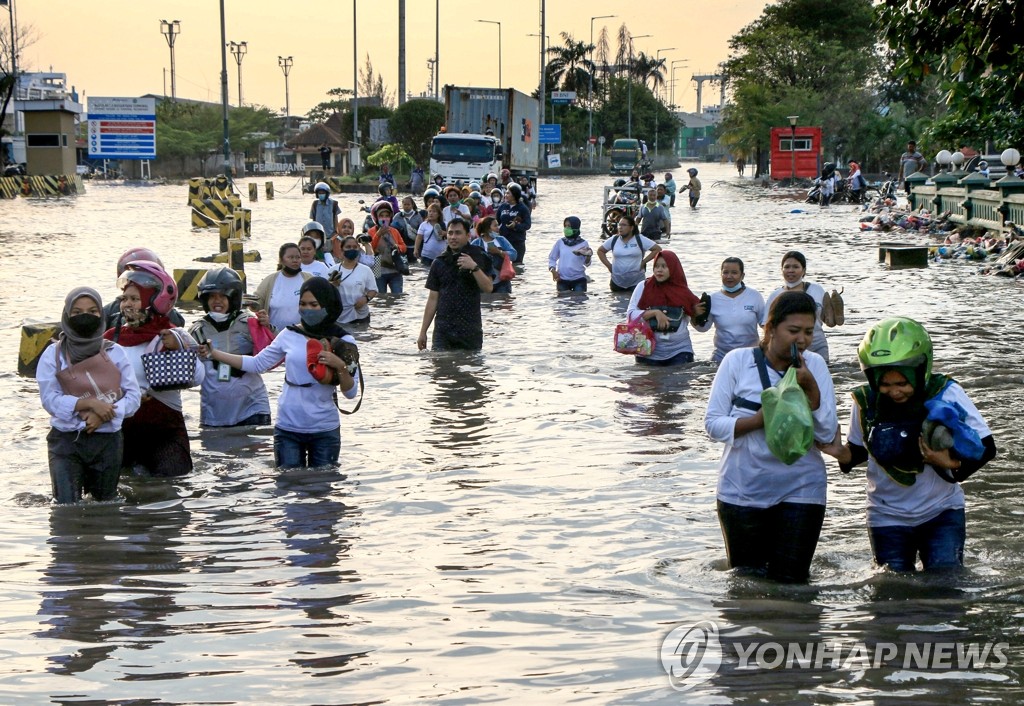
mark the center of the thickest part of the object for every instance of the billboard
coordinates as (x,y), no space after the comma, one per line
(122,128)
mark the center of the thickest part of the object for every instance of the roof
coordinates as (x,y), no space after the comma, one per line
(314,137)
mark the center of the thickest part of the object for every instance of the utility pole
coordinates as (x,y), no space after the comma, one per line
(437,49)
(170,30)
(238,50)
(543,67)
(629,86)
(285,62)
(590,97)
(224,91)
(495,22)
(401,52)
(354,152)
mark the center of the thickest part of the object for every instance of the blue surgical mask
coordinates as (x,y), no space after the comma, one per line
(322,196)
(312,317)
(735,288)
(351,254)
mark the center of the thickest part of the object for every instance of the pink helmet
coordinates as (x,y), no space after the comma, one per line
(134,255)
(149,276)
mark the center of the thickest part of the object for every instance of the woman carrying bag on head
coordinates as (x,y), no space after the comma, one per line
(308,430)
(771,512)
(87,385)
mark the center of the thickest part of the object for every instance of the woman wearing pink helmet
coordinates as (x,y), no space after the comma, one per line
(155,438)
(113,308)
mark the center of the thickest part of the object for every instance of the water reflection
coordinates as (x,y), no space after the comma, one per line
(106,584)
(462,388)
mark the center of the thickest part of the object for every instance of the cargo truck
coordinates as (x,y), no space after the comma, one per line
(486,130)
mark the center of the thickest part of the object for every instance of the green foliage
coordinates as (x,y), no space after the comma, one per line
(339,103)
(392,155)
(192,130)
(650,116)
(414,124)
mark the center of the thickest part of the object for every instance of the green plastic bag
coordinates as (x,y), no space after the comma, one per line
(788,424)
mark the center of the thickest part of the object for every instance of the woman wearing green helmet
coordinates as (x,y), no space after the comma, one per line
(921,436)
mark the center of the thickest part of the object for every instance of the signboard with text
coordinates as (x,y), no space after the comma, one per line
(550,134)
(562,97)
(122,128)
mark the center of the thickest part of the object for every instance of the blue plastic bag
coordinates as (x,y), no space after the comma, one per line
(966,441)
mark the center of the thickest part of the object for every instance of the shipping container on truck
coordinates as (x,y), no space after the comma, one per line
(486,130)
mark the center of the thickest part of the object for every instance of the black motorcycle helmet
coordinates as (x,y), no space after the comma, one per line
(828,169)
(223,280)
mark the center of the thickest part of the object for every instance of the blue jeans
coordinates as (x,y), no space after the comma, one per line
(392,279)
(940,542)
(294,449)
(572,285)
(502,287)
(678,359)
(778,540)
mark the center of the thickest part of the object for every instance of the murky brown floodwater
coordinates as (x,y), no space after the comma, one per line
(522,525)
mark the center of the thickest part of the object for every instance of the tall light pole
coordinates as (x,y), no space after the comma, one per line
(238,50)
(672,101)
(437,48)
(792,149)
(353,161)
(629,86)
(285,62)
(171,30)
(224,91)
(543,64)
(590,98)
(543,48)
(495,22)
(657,58)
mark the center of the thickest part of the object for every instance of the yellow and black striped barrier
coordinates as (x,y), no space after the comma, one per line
(208,213)
(221,258)
(10,187)
(44,186)
(195,189)
(35,337)
(254,191)
(188,283)
(270,190)
(243,222)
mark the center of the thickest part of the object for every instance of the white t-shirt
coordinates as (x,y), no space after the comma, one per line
(316,268)
(749,474)
(666,344)
(353,285)
(447,214)
(433,244)
(570,265)
(627,254)
(284,301)
(892,504)
(818,344)
(736,320)
(308,409)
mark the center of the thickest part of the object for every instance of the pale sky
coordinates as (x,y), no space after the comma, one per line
(115,48)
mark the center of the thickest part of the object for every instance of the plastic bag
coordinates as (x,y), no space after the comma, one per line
(788,424)
(508,272)
(634,338)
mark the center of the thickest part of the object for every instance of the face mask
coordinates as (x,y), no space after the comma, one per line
(322,196)
(218,317)
(312,317)
(569,232)
(351,254)
(735,288)
(407,212)
(794,285)
(495,200)
(85,325)
(290,271)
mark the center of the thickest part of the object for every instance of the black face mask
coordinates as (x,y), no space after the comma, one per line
(84,325)
(290,271)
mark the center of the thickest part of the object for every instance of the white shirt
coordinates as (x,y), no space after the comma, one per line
(284,301)
(627,254)
(315,268)
(353,285)
(432,244)
(818,344)
(736,320)
(61,407)
(570,265)
(447,214)
(666,344)
(305,410)
(749,474)
(890,503)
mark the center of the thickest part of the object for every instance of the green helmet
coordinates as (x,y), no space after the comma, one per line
(898,341)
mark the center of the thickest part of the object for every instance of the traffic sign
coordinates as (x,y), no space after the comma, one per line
(592,140)
(122,128)
(550,134)
(601,139)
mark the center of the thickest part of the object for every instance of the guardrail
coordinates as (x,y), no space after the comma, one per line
(970,199)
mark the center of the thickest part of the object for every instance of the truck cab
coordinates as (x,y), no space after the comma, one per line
(464,157)
(625,155)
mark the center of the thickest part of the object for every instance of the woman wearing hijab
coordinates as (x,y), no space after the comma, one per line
(308,431)
(666,303)
(155,437)
(569,258)
(86,384)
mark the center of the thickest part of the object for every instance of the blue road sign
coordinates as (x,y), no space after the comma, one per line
(551,134)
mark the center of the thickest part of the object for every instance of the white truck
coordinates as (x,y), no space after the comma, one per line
(486,130)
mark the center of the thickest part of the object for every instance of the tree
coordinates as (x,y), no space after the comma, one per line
(27,36)
(187,131)
(648,69)
(570,66)
(371,85)
(414,124)
(391,154)
(338,104)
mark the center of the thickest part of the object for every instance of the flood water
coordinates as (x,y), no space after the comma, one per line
(521,525)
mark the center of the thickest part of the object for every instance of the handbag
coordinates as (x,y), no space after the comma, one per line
(634,337)
(507,272)
(97,376)
(170,370)
(399,261)
(675,316)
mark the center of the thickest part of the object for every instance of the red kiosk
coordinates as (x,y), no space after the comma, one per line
(802,152)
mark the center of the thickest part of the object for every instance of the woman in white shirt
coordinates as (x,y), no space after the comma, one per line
(307,257)
(630,254)
(277,296)
(771,513)
(794,271)
(355,283)
(736,311)
(430,237)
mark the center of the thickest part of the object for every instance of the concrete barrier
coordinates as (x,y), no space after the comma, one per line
(35,337)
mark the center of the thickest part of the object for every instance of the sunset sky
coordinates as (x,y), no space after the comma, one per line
(115,48)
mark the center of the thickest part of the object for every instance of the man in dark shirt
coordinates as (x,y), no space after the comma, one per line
(325,157)
(456,279)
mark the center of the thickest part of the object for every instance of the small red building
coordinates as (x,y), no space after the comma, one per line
(805,147)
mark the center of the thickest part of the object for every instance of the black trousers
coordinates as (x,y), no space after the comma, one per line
(778,540)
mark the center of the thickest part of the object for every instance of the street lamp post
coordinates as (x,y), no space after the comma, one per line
(238,50)
(285,62)
(543,103)
(657,58)
(495,22)
(171,30)
(672,100)
(792,149)
(629,86)
(224,91)
(590,99)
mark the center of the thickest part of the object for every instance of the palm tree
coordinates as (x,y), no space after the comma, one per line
(649,69)
(570,66)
